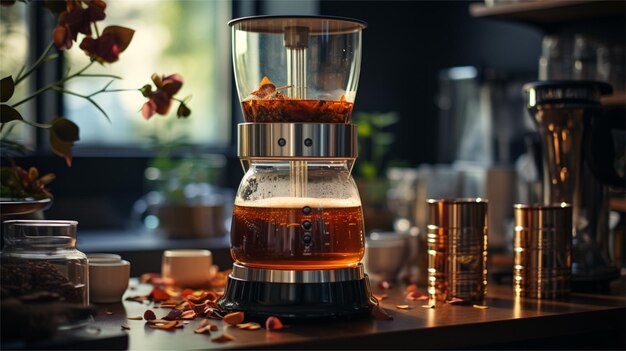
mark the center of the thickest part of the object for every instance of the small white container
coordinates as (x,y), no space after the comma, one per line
(108,280)
(187,268)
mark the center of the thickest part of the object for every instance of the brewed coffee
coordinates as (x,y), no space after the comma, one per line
(298,233)
(291,110)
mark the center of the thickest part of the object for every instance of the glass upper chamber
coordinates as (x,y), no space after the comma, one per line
(297,69)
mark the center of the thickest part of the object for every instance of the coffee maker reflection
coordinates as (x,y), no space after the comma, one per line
(578,168)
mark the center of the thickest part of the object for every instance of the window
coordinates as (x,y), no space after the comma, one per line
(13,55)
(188,37)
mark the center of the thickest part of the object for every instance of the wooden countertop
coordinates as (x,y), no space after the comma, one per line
(581,321)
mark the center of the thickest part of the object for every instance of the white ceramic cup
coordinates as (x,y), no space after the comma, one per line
(103,257)
(108,280)
(187,268)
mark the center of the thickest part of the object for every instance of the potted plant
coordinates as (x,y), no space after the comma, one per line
(375,141)
(77,21)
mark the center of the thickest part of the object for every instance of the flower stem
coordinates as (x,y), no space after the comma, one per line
(52,85)
(37,63)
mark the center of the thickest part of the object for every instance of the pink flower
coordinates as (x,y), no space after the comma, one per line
(108,46)
(77,19)
(160,101)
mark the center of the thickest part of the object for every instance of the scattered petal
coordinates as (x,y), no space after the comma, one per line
(164,326)
(403,307)
(273,323)
(458,301)
(380,297)
(249,326)
(416,296)
(234,318)
(136,318)
(149,315)
(429,306)
(125,327)
(158,294)
(189,314)
(173,315)
(480,307)
(411,288)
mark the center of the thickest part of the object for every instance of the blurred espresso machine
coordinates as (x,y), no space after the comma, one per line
(578,159)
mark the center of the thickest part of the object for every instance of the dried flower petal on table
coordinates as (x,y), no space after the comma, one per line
(223,338)
(108,313)
(173,314)
(249,326)
(234,318)
(410,288)
(458,301)
(403,307)
(380,313)
(149,315)
(165,326)
(380,297)
(205,327)
(384,285)
(416,296)
(212,313)
(273,323)
(189,314)
(480,307)
(172,292)
(432,305)
(157,294)
(198,308)
(125,327)
(135,318)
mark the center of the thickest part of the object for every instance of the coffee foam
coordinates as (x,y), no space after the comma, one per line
(299,202)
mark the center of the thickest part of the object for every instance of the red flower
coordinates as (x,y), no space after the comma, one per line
(160,100)
(77,19)
(108,46)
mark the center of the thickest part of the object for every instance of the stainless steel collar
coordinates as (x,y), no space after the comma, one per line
(241,272)
(297,140)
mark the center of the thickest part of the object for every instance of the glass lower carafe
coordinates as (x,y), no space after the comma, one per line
(297,233)
(297,217)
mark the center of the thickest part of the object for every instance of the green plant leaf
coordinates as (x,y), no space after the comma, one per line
(8,114)
(368,170)
(364,130)
(385,119)
(63,134)
(384,139)
(7,88)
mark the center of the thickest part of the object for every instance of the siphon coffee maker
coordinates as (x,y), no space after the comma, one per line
(297,234)
(578,168)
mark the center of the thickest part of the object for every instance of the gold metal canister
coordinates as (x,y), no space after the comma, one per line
(457,248)
(543,250)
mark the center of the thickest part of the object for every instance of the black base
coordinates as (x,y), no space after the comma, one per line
(299,301)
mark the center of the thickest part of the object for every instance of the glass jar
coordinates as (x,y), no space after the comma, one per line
(297,215)
(40,262)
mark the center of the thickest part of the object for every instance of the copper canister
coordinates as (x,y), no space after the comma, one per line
(543,250)
(457,249)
